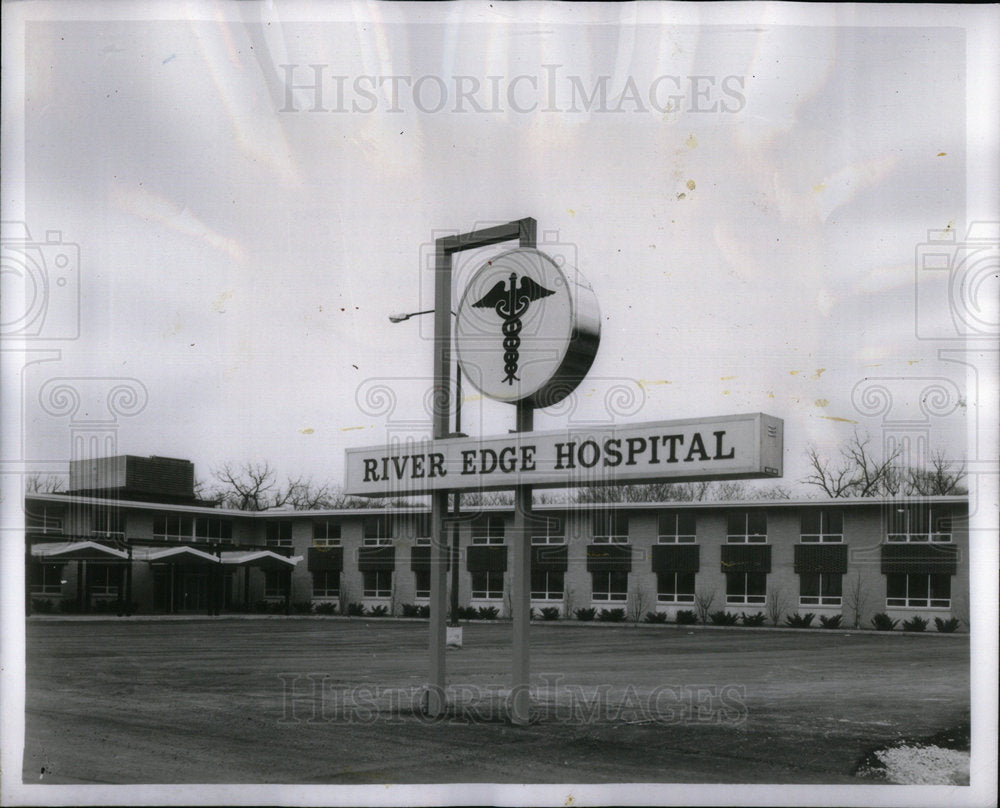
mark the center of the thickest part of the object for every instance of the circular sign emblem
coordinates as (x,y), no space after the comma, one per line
(527,329)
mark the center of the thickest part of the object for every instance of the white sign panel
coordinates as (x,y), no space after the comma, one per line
(527,329)
(732,447)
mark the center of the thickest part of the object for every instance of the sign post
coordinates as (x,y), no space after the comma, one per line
(527,331)
(524,231)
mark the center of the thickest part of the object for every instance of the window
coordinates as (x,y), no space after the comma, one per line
(326,584)
(488,530)
(610,585)
(377,531)
(820,588)
(423,582)
(676,527)
(211,527)
(610,527)
(553,532)
(418,527)
(547,584)
(821,526)
(326,533)
(487,584)
(925,590)
(274,583)
(279,534)
(172,527)
(44,518)
(746,587)
(747,527)
(108,522)
(102,579)
(922,522)
(675,587)
(46,579)
(378,583)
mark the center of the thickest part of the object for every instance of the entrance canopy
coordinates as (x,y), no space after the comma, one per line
(265,559)
(174,555)
(77,551)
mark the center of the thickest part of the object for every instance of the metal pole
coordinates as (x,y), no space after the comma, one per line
(457,510)
(435,697)
(520,578)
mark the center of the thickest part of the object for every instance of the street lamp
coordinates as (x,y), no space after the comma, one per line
(457,508)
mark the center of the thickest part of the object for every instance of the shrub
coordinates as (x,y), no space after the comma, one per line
(410,610)
(585,614)
(799,620)
(656,617)
(378,611)
(355,609)
(831,622)
(947,626)
(68,607)
(303,607)
(723,618)
(883,622)
(104,606)
(915,623)
(488,612)
(466,613)
(611,615)
(276,606)
(686,617)
(753,619)
(326,607)
(550,613)
(41,605)
(423,611)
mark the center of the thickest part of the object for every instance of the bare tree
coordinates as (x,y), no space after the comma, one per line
(939,477)
(857,473)
(474,498)
(703,600)
(857,592)
(305,495)
(680,492)
(775,604)
(248,487)
(49,484)
(638,604)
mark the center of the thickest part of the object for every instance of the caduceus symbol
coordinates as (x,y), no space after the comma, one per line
(511,302)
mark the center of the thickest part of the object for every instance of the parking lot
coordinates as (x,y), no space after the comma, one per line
(314,700)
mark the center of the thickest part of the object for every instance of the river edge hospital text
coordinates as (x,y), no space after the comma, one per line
(745,446)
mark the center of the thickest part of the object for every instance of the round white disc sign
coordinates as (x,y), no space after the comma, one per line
(527,329)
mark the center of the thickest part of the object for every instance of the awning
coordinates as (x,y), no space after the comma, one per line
(326,559)
(264,559)
(609,557)
(174,555)
(77,551)
(676,558)
(746,558)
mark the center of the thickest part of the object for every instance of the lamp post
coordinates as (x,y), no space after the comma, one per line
(456,506)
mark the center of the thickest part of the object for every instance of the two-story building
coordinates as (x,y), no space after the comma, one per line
(130,534)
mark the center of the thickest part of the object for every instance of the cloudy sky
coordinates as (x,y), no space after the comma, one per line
(254,188)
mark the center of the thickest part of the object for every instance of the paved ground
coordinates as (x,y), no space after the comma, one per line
(208,701)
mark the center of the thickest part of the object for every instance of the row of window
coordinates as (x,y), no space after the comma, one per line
(742,588)
(908,523)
